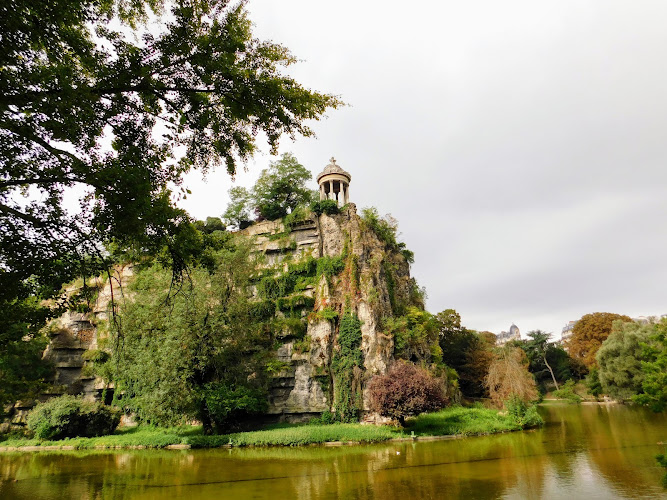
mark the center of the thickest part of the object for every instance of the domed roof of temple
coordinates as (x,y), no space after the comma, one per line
(332,168)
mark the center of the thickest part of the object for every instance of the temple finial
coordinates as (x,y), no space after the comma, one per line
(332,160)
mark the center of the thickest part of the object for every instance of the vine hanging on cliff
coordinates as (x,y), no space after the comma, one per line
(347,369)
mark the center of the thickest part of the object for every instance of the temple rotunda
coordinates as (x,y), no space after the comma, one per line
(334,183)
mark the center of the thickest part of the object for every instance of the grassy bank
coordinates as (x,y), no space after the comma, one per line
(461,421)
(450,421)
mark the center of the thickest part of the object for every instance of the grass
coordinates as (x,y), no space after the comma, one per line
(450,421)
(300,435)
(458,420)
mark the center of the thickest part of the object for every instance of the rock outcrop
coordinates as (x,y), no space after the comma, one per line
(373,280)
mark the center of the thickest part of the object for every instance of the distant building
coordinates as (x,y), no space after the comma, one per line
(567,330)
(647,320)
(504,337)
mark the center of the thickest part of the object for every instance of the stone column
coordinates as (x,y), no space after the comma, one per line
(347,194)
(321,192)
(331,192)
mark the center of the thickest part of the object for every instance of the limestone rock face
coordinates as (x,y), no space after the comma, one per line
(75,333)
(366,290)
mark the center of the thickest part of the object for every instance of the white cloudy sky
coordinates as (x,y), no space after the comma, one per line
(522,145)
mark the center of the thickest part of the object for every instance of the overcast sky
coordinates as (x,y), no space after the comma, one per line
(521,145)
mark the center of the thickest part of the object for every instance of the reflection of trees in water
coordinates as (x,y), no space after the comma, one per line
(623,449)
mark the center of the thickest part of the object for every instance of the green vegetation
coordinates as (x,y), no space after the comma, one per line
(458,420)
(22,371)
(466,351)
(86,84)
(386,229)
(201,353)
(620,359)
(329,207)
(70,416)
(415,336)
(548,362)
(654,385)
(280,192)
(281,188)
(593,382)
(347,368)
(238,212)
(455,420)
(567,392)
(522,412)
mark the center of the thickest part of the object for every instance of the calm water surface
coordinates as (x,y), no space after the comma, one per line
(589,452)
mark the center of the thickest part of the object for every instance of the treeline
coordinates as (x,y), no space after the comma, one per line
(624,359)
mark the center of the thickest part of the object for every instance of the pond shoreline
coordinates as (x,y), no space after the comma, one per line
(33,448)
(450,423)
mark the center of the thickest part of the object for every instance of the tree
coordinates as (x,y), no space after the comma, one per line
(537,349)
(281,187)
(619,359)
(589,333)
(238,210)
(415,336)
(22,371)
(199,353)
(466,351)
(509,377)
(404,391)
(654,384)
(89,98)
(593,382)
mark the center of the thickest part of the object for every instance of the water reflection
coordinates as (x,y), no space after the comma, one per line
(583,452)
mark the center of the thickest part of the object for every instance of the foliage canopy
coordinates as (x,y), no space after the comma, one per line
(201,353)
(509,377)
(589,333)
(281,187)
(406,390)
(654,384)
(620,359)
(95,105)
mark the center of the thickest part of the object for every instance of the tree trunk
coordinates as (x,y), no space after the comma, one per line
(550,371)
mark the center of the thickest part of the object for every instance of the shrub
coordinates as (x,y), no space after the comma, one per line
(71,416)
(593,382)
(404,391)
(522,413)
(299,214)
(228,406)
(567,392)
(329,207)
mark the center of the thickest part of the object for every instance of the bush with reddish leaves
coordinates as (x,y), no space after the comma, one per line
(404,391)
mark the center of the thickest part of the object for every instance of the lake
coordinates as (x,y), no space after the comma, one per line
(587,451)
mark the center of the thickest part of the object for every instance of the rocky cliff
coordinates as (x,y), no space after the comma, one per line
(360,274)
(373,282)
